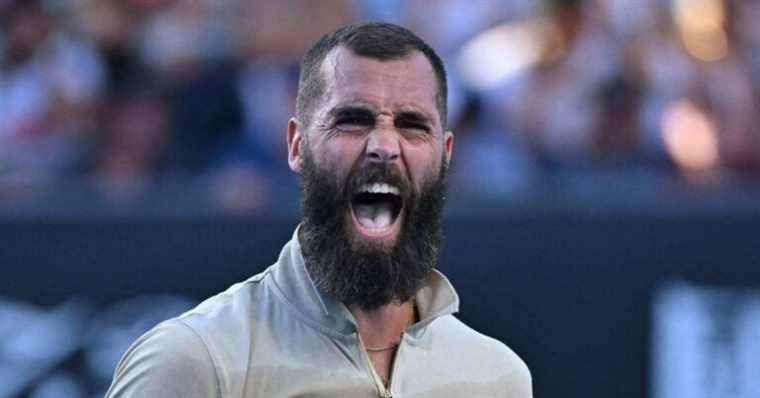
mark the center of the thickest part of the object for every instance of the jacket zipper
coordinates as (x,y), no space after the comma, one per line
(395,363)
(381,390)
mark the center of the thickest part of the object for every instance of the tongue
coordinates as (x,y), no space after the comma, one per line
(374,216)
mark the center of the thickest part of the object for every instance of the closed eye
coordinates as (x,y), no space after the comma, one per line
(409,125)
(412,121)
(354,119)
(359,121)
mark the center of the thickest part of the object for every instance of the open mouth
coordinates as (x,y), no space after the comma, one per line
(376,208)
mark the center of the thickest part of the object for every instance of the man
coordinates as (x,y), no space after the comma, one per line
(353,307)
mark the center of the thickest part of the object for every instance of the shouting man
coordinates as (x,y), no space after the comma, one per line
(353,307)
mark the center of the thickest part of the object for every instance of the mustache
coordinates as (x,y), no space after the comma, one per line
(388,173)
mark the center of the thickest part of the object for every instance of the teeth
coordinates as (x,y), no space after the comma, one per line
(379,188)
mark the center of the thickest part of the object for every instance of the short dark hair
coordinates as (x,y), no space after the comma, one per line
(377,40)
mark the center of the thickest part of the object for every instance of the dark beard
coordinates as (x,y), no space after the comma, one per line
(359,273)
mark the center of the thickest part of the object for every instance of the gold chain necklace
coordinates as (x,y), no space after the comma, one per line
(380,349)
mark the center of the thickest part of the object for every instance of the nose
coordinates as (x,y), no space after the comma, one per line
(383,145)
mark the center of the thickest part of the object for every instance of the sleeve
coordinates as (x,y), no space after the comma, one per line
(171,361)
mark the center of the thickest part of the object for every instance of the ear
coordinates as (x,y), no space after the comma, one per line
(448,145)
(295,140)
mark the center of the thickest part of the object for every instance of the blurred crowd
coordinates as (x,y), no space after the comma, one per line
(125,94)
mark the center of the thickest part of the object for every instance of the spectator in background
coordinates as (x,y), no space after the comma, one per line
(135,130)
(733,98)
(554,104)
(615,137)
(187,47)
(50,81)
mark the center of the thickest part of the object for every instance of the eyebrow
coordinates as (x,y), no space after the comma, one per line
(412,116)
(352,110)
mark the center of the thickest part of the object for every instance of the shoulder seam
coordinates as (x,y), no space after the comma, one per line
(208,352)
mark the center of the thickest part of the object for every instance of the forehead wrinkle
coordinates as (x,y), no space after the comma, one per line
(337,74)
(356,103)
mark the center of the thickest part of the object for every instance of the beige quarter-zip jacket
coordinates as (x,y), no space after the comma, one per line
(275,335)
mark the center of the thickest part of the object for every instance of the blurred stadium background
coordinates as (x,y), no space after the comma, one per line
(604,206)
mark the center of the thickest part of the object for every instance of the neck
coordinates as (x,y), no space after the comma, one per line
(382,327)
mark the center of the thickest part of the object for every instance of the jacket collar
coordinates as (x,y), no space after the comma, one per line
(436,298)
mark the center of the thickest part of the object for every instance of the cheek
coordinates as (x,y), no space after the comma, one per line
(339,157)
(423,164)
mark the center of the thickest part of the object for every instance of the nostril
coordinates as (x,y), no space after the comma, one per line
(382,156)
(383,146)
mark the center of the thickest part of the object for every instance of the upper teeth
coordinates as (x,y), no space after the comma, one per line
(379,188)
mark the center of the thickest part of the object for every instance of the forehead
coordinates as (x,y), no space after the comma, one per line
(391,85)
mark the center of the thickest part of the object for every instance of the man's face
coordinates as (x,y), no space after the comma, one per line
(373,163)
